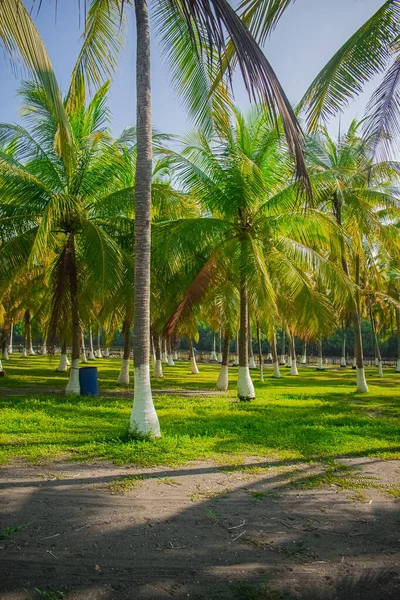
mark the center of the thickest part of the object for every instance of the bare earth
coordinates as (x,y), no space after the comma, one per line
(202,531)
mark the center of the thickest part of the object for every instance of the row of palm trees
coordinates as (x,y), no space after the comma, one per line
(234,241)
(200,54)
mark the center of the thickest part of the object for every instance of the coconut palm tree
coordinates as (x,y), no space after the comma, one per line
(255,226)
(358,193)
(49,208)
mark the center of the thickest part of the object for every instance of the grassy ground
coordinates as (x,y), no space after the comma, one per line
(317,415)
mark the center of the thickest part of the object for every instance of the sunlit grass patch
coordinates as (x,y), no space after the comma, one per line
(316,416)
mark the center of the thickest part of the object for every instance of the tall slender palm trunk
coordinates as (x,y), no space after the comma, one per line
(245,384)
(252,364)
(195,369)
(398,339)
(343,362)
(91,353)
(144,418)
(260,356)
(157,371)
(376,342)
(223,378)
(73,386)
(359,355)
(274,352)
(282,360)
(320,363)
(63,364)
(293,362)
(123,377)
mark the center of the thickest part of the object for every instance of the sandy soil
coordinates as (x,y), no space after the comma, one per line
(202,531)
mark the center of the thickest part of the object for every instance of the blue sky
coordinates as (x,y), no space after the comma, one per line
(304,40)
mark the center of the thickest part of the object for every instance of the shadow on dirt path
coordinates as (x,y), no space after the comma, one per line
(95,531)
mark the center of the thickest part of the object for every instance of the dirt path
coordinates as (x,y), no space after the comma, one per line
(201,531)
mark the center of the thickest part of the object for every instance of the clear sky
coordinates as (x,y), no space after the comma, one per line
(304,40)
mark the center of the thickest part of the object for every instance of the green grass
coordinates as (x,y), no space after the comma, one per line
(317,415)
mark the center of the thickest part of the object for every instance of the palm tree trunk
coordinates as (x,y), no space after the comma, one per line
(10,347)
(343,362)
(320,363)
(304,357)
(260,356)
(283,349)
(143,418)
(223,379)
(98,353)
(123,377)
(28,333)
(91,353)
(293,364)
(236,361)
(245,384)
(361,381)
(73,386)
(157,371)
(398,339)
(83,349)
(220,346)
(376,342)
(169,353)
(274,353)
(195,370)
(62,365)
(252,364)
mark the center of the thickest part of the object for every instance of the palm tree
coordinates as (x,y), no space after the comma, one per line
(49,209)
(255,228)
(355,191)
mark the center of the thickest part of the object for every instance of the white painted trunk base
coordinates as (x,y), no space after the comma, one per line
(282,360)
(62,365)
(98,354)
(289,361)
(380,367)
(175,355)
(252,364)
(144,418)
(170,361)
(361,381)
(5,354)
(73,385)
(44,350)
(31,351)
(164,358)
(376,361)
(245,384)
(84,357)
(235,362)
(269,356)
(223,379)
(10,349)
(1,366)
(343,362)
(153,360)
(68,363)
(303,360)
(24,352)
(220,357)
(261,373)
(106,353)
(157,371)
(123,377)
(398,366)
(320,364)
(213,355)
(91,355)
(293,368)
(277,372)
(354,362)
(195,370)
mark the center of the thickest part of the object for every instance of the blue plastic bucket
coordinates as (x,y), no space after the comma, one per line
(89,381)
